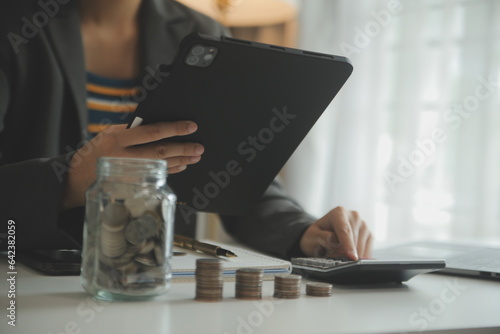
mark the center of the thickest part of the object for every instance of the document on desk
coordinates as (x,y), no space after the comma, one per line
(183,266)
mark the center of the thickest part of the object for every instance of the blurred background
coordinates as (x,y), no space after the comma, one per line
(412,141)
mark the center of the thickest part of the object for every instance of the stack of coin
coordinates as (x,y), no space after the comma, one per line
(318,289)
(287,286)
(249,283)
(114,218)
(209,280)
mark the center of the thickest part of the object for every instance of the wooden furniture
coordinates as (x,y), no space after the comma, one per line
(265,21)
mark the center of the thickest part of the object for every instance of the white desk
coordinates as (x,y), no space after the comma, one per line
(54,305)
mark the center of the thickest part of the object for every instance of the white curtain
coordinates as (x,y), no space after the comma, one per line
(412,141)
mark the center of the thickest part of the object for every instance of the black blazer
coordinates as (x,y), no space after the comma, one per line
(43,118)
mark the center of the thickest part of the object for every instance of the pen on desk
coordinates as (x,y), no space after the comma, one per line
(203,247)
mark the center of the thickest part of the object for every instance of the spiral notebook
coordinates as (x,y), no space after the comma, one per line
(183,267)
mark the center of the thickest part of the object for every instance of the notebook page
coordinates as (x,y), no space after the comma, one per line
(183,266)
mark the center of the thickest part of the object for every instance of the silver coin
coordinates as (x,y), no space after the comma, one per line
(287,277)
(115,214)
(146,259)
(319,294)
(136,206)
(158,273)
(122,190)
(152,204)
(146,247)
(159,254)
(205,283)
(277,295)
(113,228)
(319,286)
(141,229)
(127,269)
(250,272)
(209,263)
(112,244)
(124,259)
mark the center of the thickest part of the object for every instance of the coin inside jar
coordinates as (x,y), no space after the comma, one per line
(159,253)
(141,229)
(146,259)
(112,243)
(114,214)
(135,206)
(146,247)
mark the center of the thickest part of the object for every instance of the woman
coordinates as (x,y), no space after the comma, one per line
(67,70)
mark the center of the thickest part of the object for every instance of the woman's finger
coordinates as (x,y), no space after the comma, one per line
(153,132)
(166,150)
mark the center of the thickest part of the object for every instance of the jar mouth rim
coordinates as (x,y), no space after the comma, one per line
(139,160)
(131,165)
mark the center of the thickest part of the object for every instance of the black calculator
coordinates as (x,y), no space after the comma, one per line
(363,271)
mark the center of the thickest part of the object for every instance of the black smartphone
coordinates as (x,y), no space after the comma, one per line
(52,262)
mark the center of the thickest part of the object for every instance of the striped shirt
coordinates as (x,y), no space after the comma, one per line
(109,101)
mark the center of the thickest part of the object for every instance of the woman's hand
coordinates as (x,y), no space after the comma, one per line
(340,233)
(139,142)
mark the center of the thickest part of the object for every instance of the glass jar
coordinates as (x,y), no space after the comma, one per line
(128,230)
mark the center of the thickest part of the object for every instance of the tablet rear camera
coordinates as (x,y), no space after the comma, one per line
(198,50)
(201,56)
(193,60)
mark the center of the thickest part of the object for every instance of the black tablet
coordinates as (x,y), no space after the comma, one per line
(253,103)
